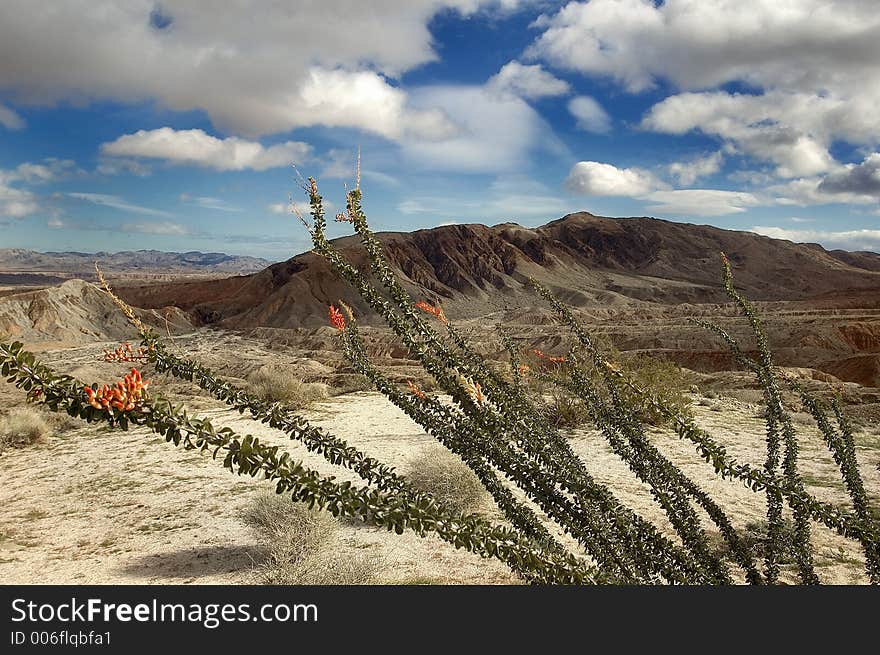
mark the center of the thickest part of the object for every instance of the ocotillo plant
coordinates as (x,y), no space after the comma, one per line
(561,524)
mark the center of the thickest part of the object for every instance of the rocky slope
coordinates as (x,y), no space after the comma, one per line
(592,262)
(76,312)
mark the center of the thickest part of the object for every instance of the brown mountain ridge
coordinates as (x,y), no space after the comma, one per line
(590,261)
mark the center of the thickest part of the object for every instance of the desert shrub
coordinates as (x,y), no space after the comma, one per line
(23,426)
(278,385)
(62,423)
(655,378)
(349,383)
(303,546)
(755,536)
(565,411)
(653,384)
(443,475)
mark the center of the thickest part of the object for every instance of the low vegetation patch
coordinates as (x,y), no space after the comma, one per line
(303,546)
(565,411)
(443,475)
(278,385)
(756,538)
(350,383)
(658,387)
(660,379)
(23,426)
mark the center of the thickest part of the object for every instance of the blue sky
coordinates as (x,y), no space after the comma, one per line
(173,125)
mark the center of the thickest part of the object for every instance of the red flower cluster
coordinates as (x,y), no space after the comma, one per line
(434,310)
(125,354)
(123,396)
(553,359)
(414,390)
(336,318)
(524,369)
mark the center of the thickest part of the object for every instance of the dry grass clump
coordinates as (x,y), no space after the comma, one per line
(349,383)
(23,426)
(62,423)
(565,411)
(303,546)
(442,474)
(279,385)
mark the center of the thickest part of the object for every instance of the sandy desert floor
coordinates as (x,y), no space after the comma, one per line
(103,506)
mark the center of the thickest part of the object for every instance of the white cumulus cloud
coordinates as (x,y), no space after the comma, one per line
(688,172)
(810,65)
(796,44)
(848,183)
(199,148)
(121,165)
(527,81)
(593,178)
(364,99)
(496,133)
(255,68)
(792,130)
(14,201)
(858,179)
(590,115)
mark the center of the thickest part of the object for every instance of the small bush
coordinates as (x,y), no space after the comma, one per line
(658,378)
(662,379)
(755,538)
(350,383)
(442,474)
(302,546)
(23,426)
(62,423)
(566,411)
(278,385)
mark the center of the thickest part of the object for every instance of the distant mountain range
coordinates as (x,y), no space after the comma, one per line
(16,260)
(635,280)
(590,261)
